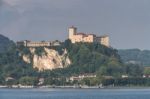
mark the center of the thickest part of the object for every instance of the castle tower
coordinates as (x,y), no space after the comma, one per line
(105,40)
(72,32)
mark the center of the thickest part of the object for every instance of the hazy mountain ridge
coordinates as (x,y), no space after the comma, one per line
(135,56)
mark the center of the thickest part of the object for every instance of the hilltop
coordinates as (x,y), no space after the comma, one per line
(5,44)
(78,57)
(26,65)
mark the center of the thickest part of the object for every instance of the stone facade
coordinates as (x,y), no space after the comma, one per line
(27,43)
(90,38)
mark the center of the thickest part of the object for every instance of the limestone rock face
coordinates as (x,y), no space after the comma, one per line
(48,60)
(26,58)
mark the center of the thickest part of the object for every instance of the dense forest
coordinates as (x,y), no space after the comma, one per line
(86,58)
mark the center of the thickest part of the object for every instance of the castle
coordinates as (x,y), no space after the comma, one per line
(73,36)
(90,38)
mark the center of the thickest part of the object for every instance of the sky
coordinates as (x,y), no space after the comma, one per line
(127,22)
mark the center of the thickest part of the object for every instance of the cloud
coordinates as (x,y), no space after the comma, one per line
(47,19)
(12,2)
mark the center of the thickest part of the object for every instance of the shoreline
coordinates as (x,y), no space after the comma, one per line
(74,87)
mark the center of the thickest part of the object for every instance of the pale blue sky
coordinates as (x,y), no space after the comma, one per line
(126,21)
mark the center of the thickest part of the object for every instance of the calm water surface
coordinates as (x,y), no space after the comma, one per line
(74,93)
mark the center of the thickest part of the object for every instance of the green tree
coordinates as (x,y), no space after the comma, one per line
(28,80)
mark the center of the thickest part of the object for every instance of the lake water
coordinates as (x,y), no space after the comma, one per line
(74,93)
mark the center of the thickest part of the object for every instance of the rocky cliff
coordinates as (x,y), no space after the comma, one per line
(48,59)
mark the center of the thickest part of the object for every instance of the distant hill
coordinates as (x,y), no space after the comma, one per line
(5,44)
(135,56)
